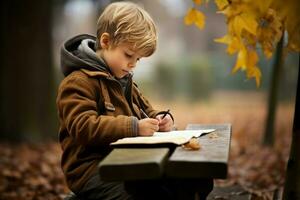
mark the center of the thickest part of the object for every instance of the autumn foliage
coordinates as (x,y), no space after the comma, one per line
(253,24)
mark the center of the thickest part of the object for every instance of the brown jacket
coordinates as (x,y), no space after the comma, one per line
(93,112)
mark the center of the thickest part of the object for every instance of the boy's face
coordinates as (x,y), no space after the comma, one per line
(120,59)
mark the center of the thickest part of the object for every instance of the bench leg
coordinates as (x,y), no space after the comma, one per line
(196,189)
(170,189)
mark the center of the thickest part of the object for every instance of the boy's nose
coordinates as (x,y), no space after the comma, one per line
(131,64)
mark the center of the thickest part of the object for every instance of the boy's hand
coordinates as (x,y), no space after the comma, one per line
(148,126)
(166,123)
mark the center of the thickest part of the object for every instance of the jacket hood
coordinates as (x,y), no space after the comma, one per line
(79,53)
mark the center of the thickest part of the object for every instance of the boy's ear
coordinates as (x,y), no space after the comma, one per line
(105,40)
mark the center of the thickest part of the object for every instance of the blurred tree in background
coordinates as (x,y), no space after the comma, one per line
(28,77)
(27,100)
(190,78)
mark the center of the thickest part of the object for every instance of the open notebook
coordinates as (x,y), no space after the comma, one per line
(161,138)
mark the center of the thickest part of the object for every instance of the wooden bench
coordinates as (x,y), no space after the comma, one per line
(211,161)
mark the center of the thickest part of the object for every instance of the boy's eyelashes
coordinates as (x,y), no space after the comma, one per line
(130,56)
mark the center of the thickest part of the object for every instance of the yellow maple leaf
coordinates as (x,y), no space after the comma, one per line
(234,44)
(254,72)
(221,4)
(245,21)
(247,60)
(189,18)
(241,60)
(196,17)
(200,20)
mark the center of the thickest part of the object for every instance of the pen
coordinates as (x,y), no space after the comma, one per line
(167,112)
(145,115)
(205,133)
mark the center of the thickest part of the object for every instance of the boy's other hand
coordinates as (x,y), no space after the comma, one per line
(166,123)
(148,126)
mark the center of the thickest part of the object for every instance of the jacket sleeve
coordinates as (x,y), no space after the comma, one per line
(77,109)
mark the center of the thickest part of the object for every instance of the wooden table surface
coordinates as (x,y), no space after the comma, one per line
(210,161)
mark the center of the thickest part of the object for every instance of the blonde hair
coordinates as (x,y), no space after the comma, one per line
(126,22)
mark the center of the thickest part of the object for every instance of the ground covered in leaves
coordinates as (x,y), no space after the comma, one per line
(32,170)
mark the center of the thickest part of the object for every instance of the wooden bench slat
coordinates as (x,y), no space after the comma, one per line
(133,164)
(208,162)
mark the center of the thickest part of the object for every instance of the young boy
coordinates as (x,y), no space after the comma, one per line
(98,102)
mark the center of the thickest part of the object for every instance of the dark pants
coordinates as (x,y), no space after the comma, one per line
(187,189)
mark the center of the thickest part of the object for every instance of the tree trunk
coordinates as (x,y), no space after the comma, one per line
(292,181)
(273,97)
(27,98)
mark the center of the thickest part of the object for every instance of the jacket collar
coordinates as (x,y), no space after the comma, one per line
(95,73)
